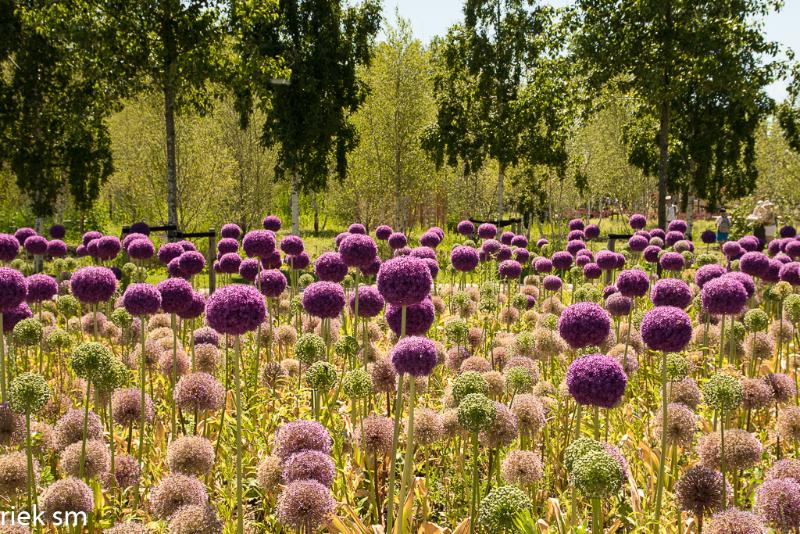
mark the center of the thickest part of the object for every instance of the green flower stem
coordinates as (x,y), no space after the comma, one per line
(597,516)
(663,454)
(722,455)
(174,375)
(142,364)
(408,461)
(475,484)
(398,412)
(2,360)
(85,428)
(29,450)
(238,389)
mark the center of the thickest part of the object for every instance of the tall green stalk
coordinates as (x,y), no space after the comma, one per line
(238,390)
(408,461)
(398,412)
(663,454)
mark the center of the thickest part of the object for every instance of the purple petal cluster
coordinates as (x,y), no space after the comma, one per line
(487,231)
(637,221)
(176,294)
(584,324)
(13,288)
(330,267)
(666,329)
(509,269)
(141,299)
(301,435)
(324,299)
(415,356)
(671,292)
(235,309)
(271,283)
(9,247)
(272,223)
(465,228)
(292,245)
(258,243)
(370,301)
(633,283)
(92,285)
(419,317)
(36,245)
(383,232)
(464,258)
(723,296)
(230,230)
(404,280)
(41,287)
(596,380)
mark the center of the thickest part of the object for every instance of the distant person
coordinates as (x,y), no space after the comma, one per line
(723,226)
(672,210)
(764,221)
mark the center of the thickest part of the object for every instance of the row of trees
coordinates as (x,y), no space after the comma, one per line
(232,108)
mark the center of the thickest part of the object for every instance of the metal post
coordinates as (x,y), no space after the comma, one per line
(210,257)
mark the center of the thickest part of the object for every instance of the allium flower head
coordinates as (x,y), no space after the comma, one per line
(633,283)
(778,503)
(309,465)
(258,243)
(370,301)
(464,258)
(596,473)
(552,283)
(415,356)
(324,299)
(292,245)
(175,491)
(501,506)
(584,324)
(596,380)
(199,391)
(168,252)
(56,248)
(41,287)
(271,283)
(9,247)
(301,435)
(487,231)
(723,392)
(304,505)
(195,519)
(404,280)
(671,292)
(92,285)
(141,299)
(742,449)
(476,412)
(235,309)
(272,223)
(699,490)
(733,521)
(190,455)
(66,495)
(28,393)
(419,317)
(127,406)
(618,305)
(522,467)
(666,329)
(637,221)
(374,435)
(140,249)
(309,348)
(562,260)
(383,232)
(35,245)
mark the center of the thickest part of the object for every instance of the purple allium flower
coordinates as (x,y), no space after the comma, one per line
(206,335)
(706,273)
(491,247)
(433,266)
(176,491)
(562,260)
(775,246)
(465,228)
(592,271)
(298,262)
(673,237)
(506,237)
(787,231)
(582,260)
(606,260)
(141,249)
(272,283)
(324,299)
(230,230)
(36,245)
(592,231)
(678,225)
(13,288)
(22,234)
(782,258)
(542,265)
(41,287)
(370,301)
(108,247)
(749,243)
(596,380)
(584,324)
(542,242)
(330,267)
(92,285)
(633,283)
(357,228)
(509,269)
(227,245)
(671,261)
(671,292)
(89,236)
(373,268)
(552,283)
(419,317)
(487,231)
(309,465)
(176,294)
(397,240)
(273,261)
(404,280)
(9,247)
(301,435)
(11,316)
(191,262)
(732,250)
(522,255)
(304,505)
(199,391)
(754,264)
(792,248)
(708,237)
(229,263)
(745,279)
(637,221)
(248,269)
(174,269)
(574,246)
(272,223)
(464,258)
(140,228)
(790,272)
(650,254)
(56,248)
(414,355)
(666,329)
(637,243)
(576,235)
(383,232)
(576,224)
(91,248)
(357,250)
(429,239)
(723,296)
(141,299)
(609,290)
(259,243)
(618,305)
(68,495)
(57,231)
(292,245)
(169,251)
(235,309)
(778,503)
(519,241)
(196,307)
(504,253)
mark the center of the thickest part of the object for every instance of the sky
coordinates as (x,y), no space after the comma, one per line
(432,17)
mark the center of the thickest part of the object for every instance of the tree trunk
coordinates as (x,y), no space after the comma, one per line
(689,212)
(665,114)
(295,200)
(172,166)
(501,178)
(316,212)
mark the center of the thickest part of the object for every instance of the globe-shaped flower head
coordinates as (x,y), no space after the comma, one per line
(509,269)
(415,356)
(272,283)
(57,231)
(292,245)
(596,380)
(108,247)
(41,287)
(272,223)
(141,299)
(584,324)
(235,309)
(487,231)
(92,285)
(330,267)
(28,393)
(191,262)
(419,317)
(397,240)
(36,245)
(230,230)
(301,435)
(358,250)
(723,392)
(176,294)
(501,507)
(465,228)
(464,258)
(56,248)
(370,301)
(637,221)
(708,272)
(723,296)
(666,329)
(169,251)
(383,232)
(671,292)
(258,243)
(9,247)
(404,280)
(754,264)
(140,249)
(324,299)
